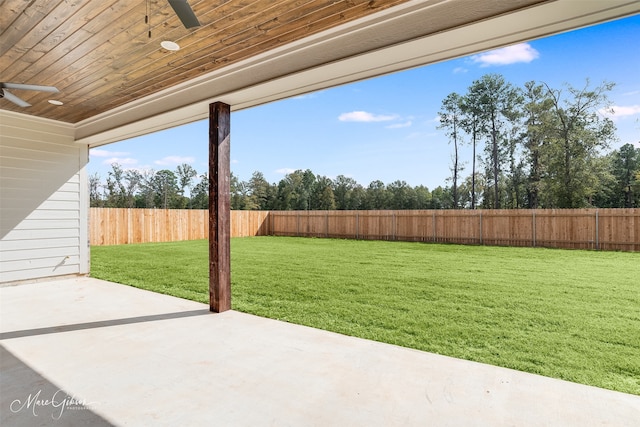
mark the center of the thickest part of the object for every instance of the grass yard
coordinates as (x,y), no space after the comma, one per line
(573,315)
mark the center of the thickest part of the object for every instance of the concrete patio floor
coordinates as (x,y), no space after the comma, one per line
(117,355)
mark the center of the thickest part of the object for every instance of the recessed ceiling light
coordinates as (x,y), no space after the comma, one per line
(55,102)
(170,45)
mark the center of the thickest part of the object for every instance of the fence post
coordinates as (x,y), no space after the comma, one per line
(481,240)
(433,225)
(357,225)
(534,228)
(298,224)
(597,231)
(393,225)
(326,225)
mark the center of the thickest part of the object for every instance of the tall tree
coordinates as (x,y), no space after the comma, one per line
(497,102)
(537,132)
(376,196)
(474,123)
(423,197)
(626,170)
(259,189)
(308,183)
(240,194)
(342,189)
(165,186)
(122,186)
(133,179)
(322,196)
(284,196)
(95,198)
(579,133)
(294,190)
(451,112)
(200,193)
(115,187)
(441,198)
(515,180)
(186,173)
(146,197)
(357,198)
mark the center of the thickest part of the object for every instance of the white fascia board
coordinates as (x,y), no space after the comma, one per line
(16,119)
(244,85)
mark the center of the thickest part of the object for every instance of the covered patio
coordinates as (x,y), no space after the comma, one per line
(116,355)
(124,356)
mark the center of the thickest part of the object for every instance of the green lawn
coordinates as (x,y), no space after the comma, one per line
(573,315)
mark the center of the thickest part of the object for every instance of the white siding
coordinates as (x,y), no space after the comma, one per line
(43,199)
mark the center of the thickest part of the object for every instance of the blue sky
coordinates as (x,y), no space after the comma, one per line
(386,128)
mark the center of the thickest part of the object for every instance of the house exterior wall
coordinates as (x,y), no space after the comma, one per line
(43,199)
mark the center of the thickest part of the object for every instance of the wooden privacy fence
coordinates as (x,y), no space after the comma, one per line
(602,229)
(114,226)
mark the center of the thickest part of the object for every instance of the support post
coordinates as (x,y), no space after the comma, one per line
(219,208)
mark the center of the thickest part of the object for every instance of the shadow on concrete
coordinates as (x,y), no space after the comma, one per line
(29,399)
(101,324)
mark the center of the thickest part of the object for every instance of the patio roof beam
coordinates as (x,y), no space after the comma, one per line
(219,207)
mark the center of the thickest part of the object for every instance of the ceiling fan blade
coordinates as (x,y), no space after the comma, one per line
(11,97)
(29,87)
(185,13)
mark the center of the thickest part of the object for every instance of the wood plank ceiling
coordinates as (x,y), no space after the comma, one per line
(100,56)
(99,53)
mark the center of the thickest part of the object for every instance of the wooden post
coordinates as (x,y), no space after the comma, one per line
(481,239)
(534,228)
(326,234)
(597,232)
(434,225)
(219,208)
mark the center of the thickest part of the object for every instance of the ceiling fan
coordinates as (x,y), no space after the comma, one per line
(4,93)
(185,13)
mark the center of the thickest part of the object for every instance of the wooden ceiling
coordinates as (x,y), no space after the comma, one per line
(100,56)
(98,53)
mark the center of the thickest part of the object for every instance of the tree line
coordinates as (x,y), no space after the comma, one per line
(299,190)
(533,147)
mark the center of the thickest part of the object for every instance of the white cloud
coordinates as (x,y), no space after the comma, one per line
(400,125)
(460,70)
(522,52)
(618,111)
(96,152)
(363,116)
(174,160)
(123,161)
(285,171)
